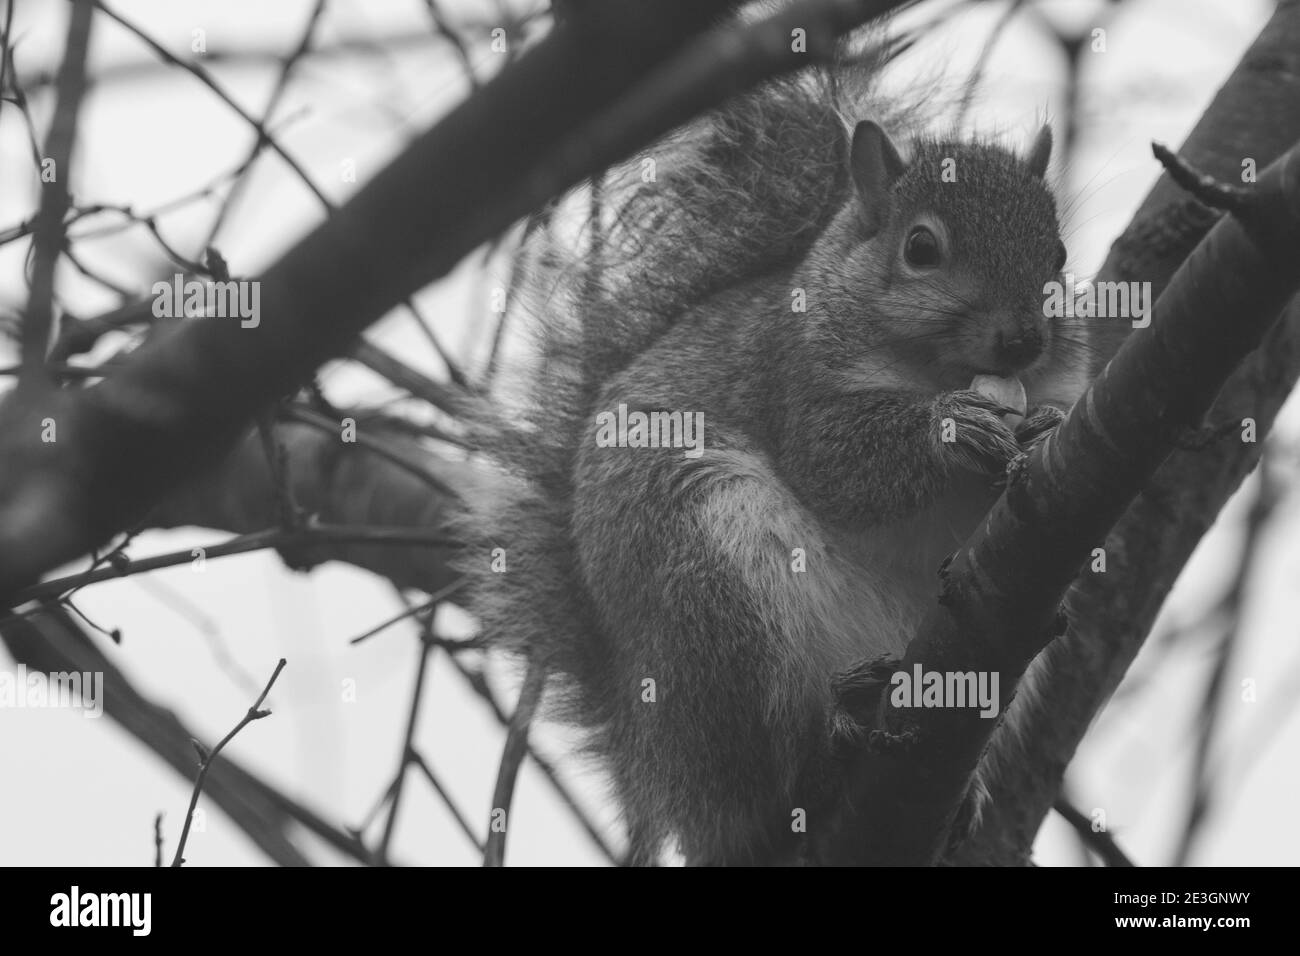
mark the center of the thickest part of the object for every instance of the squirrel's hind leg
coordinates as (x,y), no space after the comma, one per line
(719,603)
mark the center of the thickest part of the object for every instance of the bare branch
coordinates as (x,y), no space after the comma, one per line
(1257,115)
(254,713)
(408,747)
(1000,595)
(283,538)
(441,791)
(1099,841)
(4,49)
(48,241)
(494,852)
(175,406)
(202,75)
(50,641)
(341,485)
(477,683)
(263,136)
(1216,195)
(444,29)
(272,103)
(1229,610)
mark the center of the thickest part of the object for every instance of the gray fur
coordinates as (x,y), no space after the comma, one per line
(822,433)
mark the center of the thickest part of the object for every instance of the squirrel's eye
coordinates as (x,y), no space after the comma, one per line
(1058,262)
(921,249)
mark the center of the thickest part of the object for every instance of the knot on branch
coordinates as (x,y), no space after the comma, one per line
(1235,200)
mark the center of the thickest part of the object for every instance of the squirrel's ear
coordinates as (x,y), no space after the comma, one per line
(875,165)
(1040,152)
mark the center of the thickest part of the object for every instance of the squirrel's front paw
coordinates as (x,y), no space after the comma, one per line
(857,694)
(971,433)
(1041,421)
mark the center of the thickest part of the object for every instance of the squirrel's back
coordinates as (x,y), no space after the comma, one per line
(740,193)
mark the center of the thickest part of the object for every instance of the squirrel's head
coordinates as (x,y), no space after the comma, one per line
(942,259)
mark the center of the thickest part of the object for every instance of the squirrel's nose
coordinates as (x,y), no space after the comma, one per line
(1018,348)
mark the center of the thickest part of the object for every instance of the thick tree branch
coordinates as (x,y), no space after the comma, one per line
(338,483)
(1255,116)
(1000,595)
(184,397)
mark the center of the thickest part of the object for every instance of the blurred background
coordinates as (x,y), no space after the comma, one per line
(155,144)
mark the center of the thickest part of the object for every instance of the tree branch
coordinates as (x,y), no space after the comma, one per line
(340,484)
(1000,595)
(516,748)
(51,642)
(1255,115)
(48,240)
(208,756)
(184,397)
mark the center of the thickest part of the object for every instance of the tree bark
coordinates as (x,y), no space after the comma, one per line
(1257,115)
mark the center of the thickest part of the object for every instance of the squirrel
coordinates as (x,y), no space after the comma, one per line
(821,305)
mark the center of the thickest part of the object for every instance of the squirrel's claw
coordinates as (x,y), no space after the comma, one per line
(856,693)
(972,433)
(1041,421)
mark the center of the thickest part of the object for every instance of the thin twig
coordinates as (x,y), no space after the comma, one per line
(1208,717)
(157,839)
(410,755)
(206,79)
(457,42)
(49,236)
(4,48)
(122,292)
(19,99)
(256,541)
(440,395)
(265,136)
(309,416)
(414,611)
(258,53)
(408,747)
(1215,194)
(52,641)
(459,817)
(981,64)
(494,852)
(208,629)
(254,713)
(272,103)
(1101,843)
(478,683)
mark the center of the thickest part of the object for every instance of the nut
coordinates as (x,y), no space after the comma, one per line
(1008,392)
